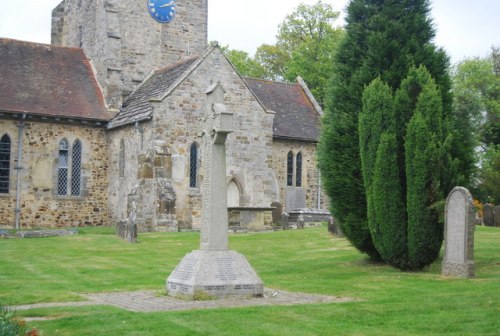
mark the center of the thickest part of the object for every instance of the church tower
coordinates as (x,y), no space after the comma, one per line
(126,39)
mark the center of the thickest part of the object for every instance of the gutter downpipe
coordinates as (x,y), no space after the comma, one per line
(319,190)
(19,168)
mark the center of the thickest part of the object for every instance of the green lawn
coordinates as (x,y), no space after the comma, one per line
(313,261)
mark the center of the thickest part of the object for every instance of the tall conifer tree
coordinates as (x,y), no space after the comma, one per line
(384,38)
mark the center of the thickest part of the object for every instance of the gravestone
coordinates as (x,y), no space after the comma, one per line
(488,219)
(496,216)
(127,229)
(214,270)
(295,198)
(459,235)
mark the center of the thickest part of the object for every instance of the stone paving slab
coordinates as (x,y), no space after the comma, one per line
(149,301)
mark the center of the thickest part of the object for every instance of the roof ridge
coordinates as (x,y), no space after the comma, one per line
(40,44)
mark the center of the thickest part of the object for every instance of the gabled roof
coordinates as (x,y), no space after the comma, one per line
(49,81)
(297,113)
(137,106)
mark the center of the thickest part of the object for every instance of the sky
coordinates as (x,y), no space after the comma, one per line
(465,28)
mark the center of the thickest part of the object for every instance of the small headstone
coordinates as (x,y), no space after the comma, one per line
(488,219)
(277,212)
(459,235)
(496,216)
(295,199)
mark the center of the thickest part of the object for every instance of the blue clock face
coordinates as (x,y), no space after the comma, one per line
(162,11)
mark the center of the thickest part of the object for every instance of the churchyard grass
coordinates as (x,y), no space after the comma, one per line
(390,302)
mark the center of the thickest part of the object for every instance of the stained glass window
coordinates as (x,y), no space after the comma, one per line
(193,166)
(289,169)
(4,164)
(298,170)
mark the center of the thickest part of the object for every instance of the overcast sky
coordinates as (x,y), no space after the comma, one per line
(465,28)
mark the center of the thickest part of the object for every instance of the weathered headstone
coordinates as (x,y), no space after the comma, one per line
(214,270)
(459,235)
(127,229)
(496,216)
(488,219)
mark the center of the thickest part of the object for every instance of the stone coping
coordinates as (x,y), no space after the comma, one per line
(151,301)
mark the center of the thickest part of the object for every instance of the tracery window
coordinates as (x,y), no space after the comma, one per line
(298,170)
(5,146)
(69,159)
(193,165)
(62,170)
(289,169)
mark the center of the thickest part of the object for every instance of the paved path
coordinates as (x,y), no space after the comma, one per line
(149,301)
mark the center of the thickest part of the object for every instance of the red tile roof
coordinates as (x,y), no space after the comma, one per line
(47,80)
(296,116)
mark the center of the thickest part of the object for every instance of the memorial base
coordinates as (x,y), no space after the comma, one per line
(214,274)
(450,269)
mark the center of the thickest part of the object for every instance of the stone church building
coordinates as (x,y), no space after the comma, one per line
(108,117)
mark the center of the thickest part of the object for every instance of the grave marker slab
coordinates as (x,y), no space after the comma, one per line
(496,216)
(488,218)
(459,235)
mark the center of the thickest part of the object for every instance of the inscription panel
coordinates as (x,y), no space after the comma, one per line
(185,271)
(456,228)
(226,270)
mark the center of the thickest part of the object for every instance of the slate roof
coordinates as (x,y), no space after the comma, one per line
(47,80)
(296,117)
(137,106)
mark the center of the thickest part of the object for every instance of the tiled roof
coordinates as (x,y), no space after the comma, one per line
(46,80)
(137,106)
(296,115)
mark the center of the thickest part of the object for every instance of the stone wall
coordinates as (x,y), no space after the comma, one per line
(281,148)
(40,205)
(124,42)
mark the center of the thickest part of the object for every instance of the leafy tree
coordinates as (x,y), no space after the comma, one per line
(310,40)
(245,65)
(273,59)
(382,39)
(476,89)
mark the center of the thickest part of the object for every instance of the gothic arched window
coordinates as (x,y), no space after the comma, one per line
(76,169)
(193,165)
(5,145)
(62,169)
(289,169)
(298,170)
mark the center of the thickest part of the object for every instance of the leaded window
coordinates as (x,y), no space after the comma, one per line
(76,169)
(62,170)
(5,145)
(193,166)
(289,169)
(298,170)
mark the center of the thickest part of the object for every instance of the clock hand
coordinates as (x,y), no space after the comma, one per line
(171,3)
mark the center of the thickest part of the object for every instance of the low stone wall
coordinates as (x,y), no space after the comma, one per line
(302,218)
(38,233)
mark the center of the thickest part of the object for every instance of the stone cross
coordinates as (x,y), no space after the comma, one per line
(459,235)
(214,271)
(214,226)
